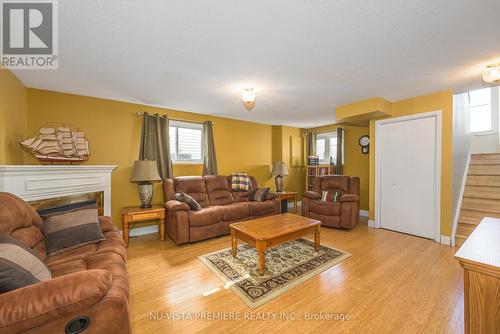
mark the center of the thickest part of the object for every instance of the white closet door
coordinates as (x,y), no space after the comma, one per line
(408,176)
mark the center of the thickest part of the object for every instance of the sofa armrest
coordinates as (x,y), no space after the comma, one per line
(271,195)
(349,198)
(174,205)
(46,301)
(312,194)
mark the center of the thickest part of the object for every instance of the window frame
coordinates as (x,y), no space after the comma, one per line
(494,105)
(326,136)
(186,125)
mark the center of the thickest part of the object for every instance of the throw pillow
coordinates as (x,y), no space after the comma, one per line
(65,231)
(327,196)
(258,195)
(240,182)
(183,197)
(19,265)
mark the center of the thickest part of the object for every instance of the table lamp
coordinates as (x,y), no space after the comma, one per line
(279,170)
(145,173)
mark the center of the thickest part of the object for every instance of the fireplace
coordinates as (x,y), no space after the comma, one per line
(46,186)
(44,206)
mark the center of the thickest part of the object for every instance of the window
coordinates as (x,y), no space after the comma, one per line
(480,110)
(326,147)
(186,142)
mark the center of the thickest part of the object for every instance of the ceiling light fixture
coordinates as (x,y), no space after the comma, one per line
(248,97)
(492,73)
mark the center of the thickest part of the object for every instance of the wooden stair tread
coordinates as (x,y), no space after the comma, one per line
(481,204)
(482,192)
(484,169)
(483,180)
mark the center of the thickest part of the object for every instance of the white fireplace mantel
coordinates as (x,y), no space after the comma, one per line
(37,182)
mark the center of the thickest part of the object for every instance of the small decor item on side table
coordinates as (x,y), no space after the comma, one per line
(279,170)
(145,172)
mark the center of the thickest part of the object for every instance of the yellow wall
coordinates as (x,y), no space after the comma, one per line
(438,101)
(12,118)
(113,131)
(356,163)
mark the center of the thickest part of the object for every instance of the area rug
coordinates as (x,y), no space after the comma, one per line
(287,265)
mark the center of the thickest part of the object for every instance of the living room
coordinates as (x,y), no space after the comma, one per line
(249,167)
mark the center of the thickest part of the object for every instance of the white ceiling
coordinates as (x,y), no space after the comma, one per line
(303,56)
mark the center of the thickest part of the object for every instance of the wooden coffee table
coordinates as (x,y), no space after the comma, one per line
(267,232)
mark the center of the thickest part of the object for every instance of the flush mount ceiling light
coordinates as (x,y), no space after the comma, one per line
(248,97)
(492,73)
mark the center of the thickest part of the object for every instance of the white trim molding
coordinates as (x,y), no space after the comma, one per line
(456,217)
(446,240)
(373,224)
(438,115)
(363,213)
(38,182)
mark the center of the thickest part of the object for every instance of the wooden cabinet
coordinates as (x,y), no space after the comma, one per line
(479,256)
(318,170)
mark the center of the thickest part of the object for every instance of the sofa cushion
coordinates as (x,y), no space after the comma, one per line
(21,222)
(191,202)
(218,190)
(236,211)
(19,265)
(206,216)
(194,186)
(258,195)
(240,182)
(324,208)
(72,229)
(260,208)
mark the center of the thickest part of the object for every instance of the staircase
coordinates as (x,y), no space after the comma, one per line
(481,195)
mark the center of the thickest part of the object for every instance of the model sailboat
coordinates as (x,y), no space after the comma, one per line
(58,144)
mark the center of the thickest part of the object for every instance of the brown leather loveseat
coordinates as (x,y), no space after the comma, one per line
(88,283)
(341,214)
(220,207)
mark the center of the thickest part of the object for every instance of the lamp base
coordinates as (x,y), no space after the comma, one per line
(279,183)
(146,194)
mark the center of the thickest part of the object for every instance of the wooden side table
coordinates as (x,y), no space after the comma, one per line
(135,214)
(286,196)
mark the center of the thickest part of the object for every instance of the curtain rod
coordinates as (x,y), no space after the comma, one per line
(141,113)
(325,131)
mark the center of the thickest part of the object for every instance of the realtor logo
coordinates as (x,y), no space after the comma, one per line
(29,34)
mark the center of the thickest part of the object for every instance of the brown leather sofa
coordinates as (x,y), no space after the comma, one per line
(220,207)
(89,282)
(342,214)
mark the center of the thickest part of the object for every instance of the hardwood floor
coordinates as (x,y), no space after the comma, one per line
(393,283)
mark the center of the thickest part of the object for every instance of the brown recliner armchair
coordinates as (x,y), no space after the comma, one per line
(341,214)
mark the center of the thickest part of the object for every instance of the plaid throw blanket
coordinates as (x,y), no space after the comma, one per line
(240,182)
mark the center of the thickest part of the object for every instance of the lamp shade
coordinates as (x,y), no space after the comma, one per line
(145,171)
(279,168)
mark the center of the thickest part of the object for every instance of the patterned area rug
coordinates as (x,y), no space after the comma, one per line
(287,265)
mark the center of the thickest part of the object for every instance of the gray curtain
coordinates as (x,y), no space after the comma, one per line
(311,144)
(209,157)
(340,151)
(155,143)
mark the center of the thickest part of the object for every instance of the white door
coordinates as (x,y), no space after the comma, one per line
(408,174)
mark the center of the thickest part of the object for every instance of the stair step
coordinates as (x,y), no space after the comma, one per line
(493,158)
(475,217)
(481,204)
(482,192)
(484,169)
(459,240)
(483,180)
(465,229)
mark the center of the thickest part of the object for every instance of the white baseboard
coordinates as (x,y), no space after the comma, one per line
(143,230)
(373,224)
(445,240)
(363,213)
